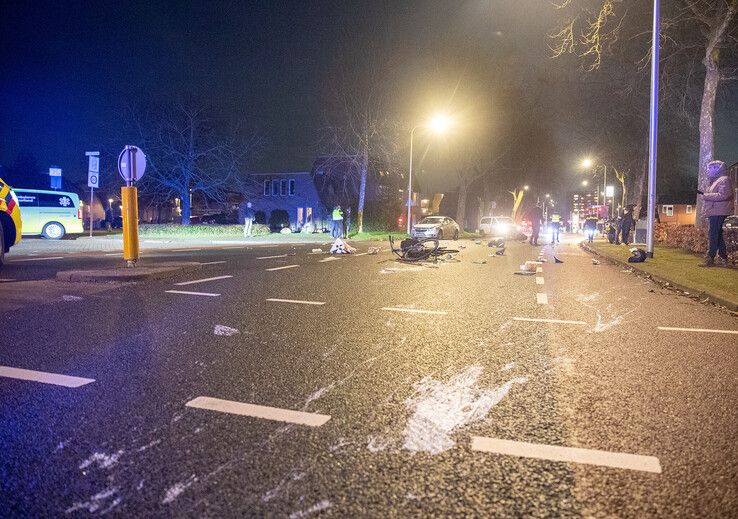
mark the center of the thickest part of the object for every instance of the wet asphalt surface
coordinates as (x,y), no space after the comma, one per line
(405,391)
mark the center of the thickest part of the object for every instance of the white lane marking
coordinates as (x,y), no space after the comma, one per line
(42,376)
(539,270)
(37,259)
(201,280)
(184,250)
(296,301)
(191,293)
(212,262)
(542,298)
(557,321)
(6,280)
(272,257)
(618,460)
(329,258)
(697,330)
(259,411)
(360,254)
(539,280)
(113,254)
(415,311)
(282,268)
(237,247)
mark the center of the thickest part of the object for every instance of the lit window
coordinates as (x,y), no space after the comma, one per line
(668,210)
(292,187)
(266,188)
(689,209)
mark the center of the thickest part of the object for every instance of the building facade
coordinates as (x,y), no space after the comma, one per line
(292,192)
(682,214)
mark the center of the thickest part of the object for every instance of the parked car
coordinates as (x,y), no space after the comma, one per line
(52,214)
(10,219)
(436,227)
(499,227)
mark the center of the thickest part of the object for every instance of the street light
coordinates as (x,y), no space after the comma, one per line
(439,124)
(589,163)
(110,203)
(526,187)
(585,182)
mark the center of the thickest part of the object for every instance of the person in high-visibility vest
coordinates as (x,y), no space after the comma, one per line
(337,222)
(555,227)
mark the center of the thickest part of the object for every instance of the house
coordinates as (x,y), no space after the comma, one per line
(682,214)
(293,193)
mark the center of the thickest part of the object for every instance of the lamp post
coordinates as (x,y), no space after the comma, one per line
(653,128)
(438,124)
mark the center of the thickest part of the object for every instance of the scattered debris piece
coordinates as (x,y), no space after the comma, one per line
(595,261)
(524,273)
(478,242)
(316,251)
(500,252)
(374,250)
(462,246)
(226,331)
(70,299)
(480,262)
(341,247)
(557,260)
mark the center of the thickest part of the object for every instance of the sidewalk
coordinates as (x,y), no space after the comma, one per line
(678,268)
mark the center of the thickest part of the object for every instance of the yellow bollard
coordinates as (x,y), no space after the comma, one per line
(129,197)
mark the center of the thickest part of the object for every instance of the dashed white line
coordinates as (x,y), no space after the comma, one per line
(616,460)
(184,250)
(113,254)
(259,411)
(539,270)
(556,321)
(295,301)
(282,268)
(329,258)
(272,257)
(415,311)
(44,377)
(542,298)
(696,330)
(38,259)
(195,281)
(6,280)
(184,292)
(539,281)
(212,262)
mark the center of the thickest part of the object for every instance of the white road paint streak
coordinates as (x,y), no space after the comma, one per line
(295,301)
(539,270)
(602,326)
(539,280)
(96,502)
(184,292)
(329,258)
(212,262)
(184,250)
(294,475)
(6,280)
(542,298)
(175,490)
(696,330)
(415,311)
(225,331)
(317,507)
(616,460)
(556,321)
(71,299)
(201,280)
(113,254)
(282,268)
(42,376)
(439,409)
(272,257)
(360,254)
(259,411)
(37,259)
(102,460)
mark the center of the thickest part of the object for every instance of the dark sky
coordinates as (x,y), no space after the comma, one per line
(68,66)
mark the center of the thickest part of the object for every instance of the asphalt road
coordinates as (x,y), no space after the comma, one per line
(418,401)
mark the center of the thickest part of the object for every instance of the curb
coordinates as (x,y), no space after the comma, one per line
(730,305)
(123,274)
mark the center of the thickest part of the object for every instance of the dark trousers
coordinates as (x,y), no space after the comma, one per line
(535,231)
(337,230)
(625,233)
(717,240)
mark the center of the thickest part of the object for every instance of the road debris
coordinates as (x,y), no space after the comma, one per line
(374,251)
(225,331)
(595,261)
(480,262)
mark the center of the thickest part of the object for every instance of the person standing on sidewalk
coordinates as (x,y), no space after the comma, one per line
(626,224)
(248,220)
(717,205)
(536,215)
(337,222)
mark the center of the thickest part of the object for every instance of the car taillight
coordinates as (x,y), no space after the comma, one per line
(79,213)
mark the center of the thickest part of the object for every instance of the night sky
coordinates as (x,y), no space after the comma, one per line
(68,67)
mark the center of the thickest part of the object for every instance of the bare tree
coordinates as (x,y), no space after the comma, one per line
(189,151)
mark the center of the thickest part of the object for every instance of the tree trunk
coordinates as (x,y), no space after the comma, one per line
(635,196)
(186,208)
(461,205)
(707,133)
(362,188)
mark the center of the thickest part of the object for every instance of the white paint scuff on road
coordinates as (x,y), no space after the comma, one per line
(696,330)
(184,292)
(556,321)
(102,460)
(212,263)
(542,298)
(71,299)
(37,259)
(295,301)
(42,376)
(194,282)
(225,331)
(439,409)
(567,454)
(259,411)
(415,311)
(96,502)
(175,490)
(282,268)
(318,507)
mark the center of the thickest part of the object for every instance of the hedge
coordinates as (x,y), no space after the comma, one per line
(693,238)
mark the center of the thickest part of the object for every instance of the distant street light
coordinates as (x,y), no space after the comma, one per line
(585,182)
(548,196)
(439,124)
(110,204)
(526,187)
(589,163)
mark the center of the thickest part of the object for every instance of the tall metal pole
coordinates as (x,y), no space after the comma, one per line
(653,129)
(92,191)
(410,185)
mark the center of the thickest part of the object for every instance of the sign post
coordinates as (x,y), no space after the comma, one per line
(131,166)
(93,178)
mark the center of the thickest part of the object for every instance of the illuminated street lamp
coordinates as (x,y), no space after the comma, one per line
(439,124)
(526,187)
(589,163)
(585,182)
(110,204)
